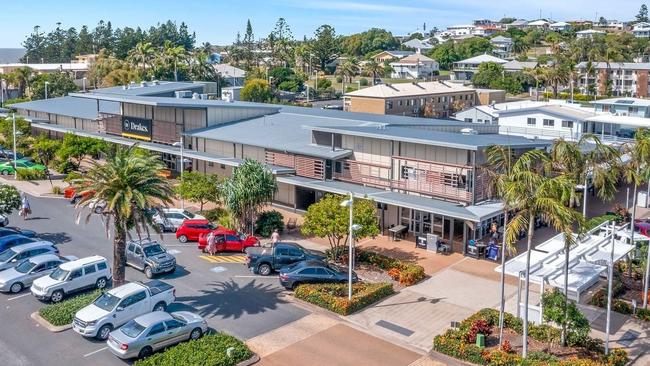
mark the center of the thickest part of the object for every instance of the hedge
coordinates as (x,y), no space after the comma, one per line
(407,273)
(210,350)
(63,312)
(334,297)
(597,220)
(30,174)
(599,299)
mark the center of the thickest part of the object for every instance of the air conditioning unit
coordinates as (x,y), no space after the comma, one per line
(183,94)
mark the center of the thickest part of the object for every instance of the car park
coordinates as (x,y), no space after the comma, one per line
(190,230)
(4,231)
(312,271)
(12,240)
(150,257)
(8,154)
(10,257)
(227,240)
(153,331)
(264,260)
(120,305)
(72,277)
(21,276)
(170,219)
(8,167)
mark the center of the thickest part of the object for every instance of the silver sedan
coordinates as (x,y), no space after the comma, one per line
(24,273)
(153,331)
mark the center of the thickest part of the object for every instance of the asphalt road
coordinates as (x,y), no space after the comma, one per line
(226,294)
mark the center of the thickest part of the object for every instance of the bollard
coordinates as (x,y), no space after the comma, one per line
(480,340)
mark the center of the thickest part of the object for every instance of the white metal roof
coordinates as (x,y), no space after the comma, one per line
(481,59)
(408,89)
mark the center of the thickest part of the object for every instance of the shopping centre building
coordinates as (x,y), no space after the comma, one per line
(426,175)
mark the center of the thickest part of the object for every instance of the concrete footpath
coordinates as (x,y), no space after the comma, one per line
(37,188)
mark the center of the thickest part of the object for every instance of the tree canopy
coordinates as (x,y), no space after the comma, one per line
(9,199)
(369,42)
(200,188)
(325,45)
(256,90)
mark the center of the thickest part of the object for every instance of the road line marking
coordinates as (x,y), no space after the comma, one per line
(18,297)
(255,277)
(224,258)
(93,352)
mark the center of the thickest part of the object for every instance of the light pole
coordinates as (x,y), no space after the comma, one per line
(352,227)
(181,144)
(610,274)
(46,84)
(2,93)
(14,130)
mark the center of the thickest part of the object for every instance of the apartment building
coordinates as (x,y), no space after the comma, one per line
(465,69)
(619,78)
(427,178)
(414,67)
(502,46)
(641,30)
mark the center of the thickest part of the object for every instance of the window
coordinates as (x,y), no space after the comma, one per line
(157,329)
(294,252)
(567,124)
(232,238)
(131,248)
(90,269)
(549,122)
(389,104)
(308,271)
(531,121)
(480,120)
(101,266)
(210,163)
(282,251)
(75,274)
(469,120)
(138,251)
(173,324)
(321,272)
(400,103)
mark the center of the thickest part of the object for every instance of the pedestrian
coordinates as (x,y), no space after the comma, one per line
(25,208)
(211,244)
(275,237)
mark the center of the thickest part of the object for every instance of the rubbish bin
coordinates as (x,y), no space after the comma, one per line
(480,340)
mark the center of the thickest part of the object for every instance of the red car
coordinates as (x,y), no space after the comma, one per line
(191,229)
(229,241)
(71,193)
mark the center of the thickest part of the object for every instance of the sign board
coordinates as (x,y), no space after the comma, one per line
(137,128)
(421,242)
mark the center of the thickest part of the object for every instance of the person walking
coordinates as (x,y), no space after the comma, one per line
(211,244)
(275,237)
(25,208)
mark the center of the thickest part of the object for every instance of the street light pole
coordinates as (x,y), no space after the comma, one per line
(2,93)
(350,252)
(14,130)
(182,171)
(609,287)
(46,84)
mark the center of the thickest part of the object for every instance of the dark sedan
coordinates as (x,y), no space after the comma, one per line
(312,272)
(4,231)
(12,240)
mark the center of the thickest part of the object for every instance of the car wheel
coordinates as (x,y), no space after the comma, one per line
(16,288)
(98,209)
(161,228)
(264,269)
(104,331)
(145,352)
(295,285)
(182,239)
(148,272)
(101,283)
(161,306)
(5,222)
(5,172)
(57,296)
(196,334)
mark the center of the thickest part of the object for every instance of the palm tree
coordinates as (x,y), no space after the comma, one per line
(373,68)
(199,68)
(349,68)
(539,75)
(172,55)
(142,54)
(532,192)
(21,78)
(129,183)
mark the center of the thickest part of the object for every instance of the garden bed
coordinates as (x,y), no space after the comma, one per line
(63,313)
(210,350)
(625,289)
(369,263)
(543,344)
(334,297)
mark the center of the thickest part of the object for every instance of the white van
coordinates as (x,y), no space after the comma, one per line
(75,276)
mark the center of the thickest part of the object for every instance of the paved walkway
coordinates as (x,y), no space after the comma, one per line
(39,188)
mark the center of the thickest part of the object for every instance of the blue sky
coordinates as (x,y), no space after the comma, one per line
(218,21)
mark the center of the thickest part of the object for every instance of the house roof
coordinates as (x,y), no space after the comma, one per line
(501,39)
(148,88)
(519,22)
(416,43)
(590,31)
(414,59)
(71,107)
(481,59)
(560,24)
(396,53)
(538,22)
(563,111)
(408,89)
(519,65)
(626,101)
(230,71)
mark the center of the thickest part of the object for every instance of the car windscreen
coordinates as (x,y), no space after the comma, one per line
(59,274)
(25,267)
(132,329)
(107,301)
(7,255)
(153,250)
(189,214)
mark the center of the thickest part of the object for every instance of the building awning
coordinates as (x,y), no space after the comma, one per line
(161,148)
(426,204)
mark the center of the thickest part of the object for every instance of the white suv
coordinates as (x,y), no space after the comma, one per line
(74,276)
(172,218)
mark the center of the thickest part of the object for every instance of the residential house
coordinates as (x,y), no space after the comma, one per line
(426,178)
(519,66)
(619,78)
(502,46)
(541,24)
(386,56)
(559,26)
(589,33)
(518,24)
(232,75)
(419,45)
(641,30)
(633,107)
(611,24)
(482,114)
(461,30)
(415,67)
(465,69)
(486,30)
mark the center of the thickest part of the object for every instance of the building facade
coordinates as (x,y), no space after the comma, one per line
(414,67)
(618,78)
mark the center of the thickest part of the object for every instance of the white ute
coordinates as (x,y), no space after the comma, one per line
(120,305)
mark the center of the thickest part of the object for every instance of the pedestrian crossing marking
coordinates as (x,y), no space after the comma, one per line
(224,258)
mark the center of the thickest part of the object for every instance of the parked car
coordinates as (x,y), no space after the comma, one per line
(228,240)
(21,276)
(148,333)
(71,194)
(8,154)
(4,220)
(10,257)
(170,219)
(642,227)
(4,231)
(312,271)
(8,167)
(120,305)
(150,257)
(190,230)
(71,277)
(12,240)
(264,260)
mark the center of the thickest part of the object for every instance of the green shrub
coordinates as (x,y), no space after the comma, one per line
(339,79)
(621,306)
(214,214)
(71,176)
(643,314)
(363,82)
(451,344)
(57,190)
(541,356)
(65,167)
(209,350)
(30,174)
(334,297)
(268,221)
(595,221)
(62,313)
(544,333)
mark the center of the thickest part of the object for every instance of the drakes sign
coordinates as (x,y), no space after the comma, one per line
(137,128)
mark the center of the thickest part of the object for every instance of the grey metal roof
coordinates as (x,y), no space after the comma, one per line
(435,138)
(70,106)
(399,53)
(556,110)
(151,88)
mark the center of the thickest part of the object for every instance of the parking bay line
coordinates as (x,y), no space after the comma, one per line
(18,297)
(260,277)
(93,352)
